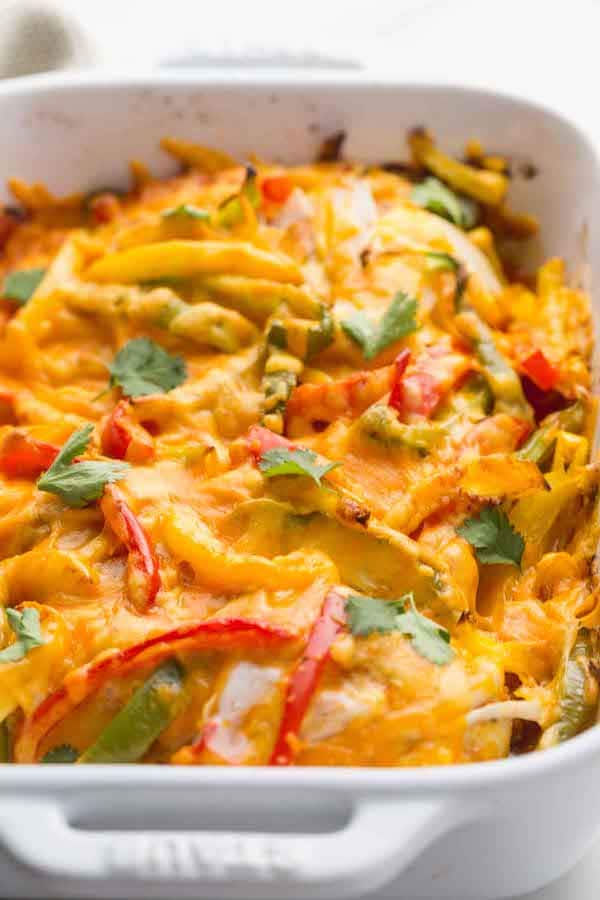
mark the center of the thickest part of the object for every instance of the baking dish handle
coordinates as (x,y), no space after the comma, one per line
(381,839)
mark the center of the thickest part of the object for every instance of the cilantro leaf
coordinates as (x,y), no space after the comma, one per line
(63,753)
(283,461)
(143,367)
(79,483)
(186,211)
(436,261)
(26,626)
(19,286)
(493,537)
(398,321)
(434,195)
(367,615)
(427,637)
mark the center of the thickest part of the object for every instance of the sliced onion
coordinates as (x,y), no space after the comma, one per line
(506,709)
(297,208)
(405,225)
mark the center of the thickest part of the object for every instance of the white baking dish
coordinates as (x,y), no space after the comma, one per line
(478,831)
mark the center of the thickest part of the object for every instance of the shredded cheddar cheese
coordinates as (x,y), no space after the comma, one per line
(291,471)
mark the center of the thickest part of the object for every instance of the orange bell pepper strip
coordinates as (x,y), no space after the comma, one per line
(235,634)
(123,438)
(305,678)
(22,456)
(348,396)
(143,575)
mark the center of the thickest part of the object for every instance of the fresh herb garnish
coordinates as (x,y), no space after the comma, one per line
(79,483)
(143,367)
(20,286)
(493,537)
(186,211)
(63,753)
(368,615)
(398,321)
(282,461)
(441,261)
(434,195)
(26,626)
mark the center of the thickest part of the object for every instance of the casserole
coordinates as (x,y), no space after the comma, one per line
(392,816)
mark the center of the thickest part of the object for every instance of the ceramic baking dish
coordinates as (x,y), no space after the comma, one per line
(478,831)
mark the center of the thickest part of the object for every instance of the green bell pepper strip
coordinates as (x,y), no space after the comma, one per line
(135,728)
(290,343)
(230,212)
(303,338)
(539,446)
(380,423)
(63,753)
(579,696)
(502,378)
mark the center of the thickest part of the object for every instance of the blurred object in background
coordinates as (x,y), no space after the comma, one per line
(41,37)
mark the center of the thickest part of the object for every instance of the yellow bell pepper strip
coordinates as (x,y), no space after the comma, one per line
(207,636)
(305,678)
(487,187)
(192,259)
(149,711)
(539,446)
(211,324)
(503,380)
(197,156)
(258,298)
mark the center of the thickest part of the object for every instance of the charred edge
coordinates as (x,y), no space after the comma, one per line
(332,147)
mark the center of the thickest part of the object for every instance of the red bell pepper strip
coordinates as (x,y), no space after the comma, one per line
(260,439)
(143,575)
(216,634)
(21,456)
(277,188)
(397,390)
(541,371)
(305,678)
(123,438)
(419,387)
